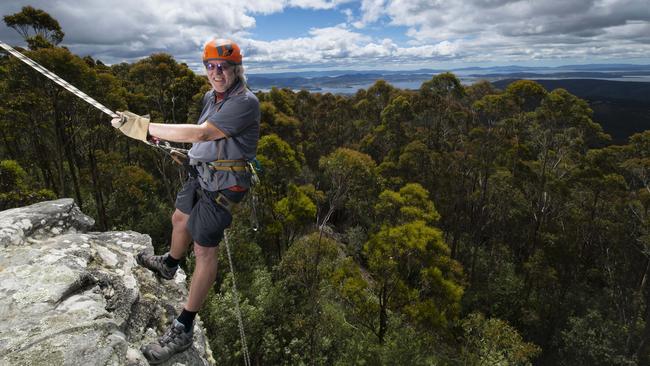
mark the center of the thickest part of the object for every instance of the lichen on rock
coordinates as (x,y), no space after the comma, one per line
(69,296)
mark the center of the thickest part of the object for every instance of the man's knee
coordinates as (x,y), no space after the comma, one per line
(179,219)
(205,253)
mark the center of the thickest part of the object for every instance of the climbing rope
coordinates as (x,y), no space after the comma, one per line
(159,144)
(50,75)
(240,322)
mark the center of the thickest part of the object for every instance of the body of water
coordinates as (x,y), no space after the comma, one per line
(415,84)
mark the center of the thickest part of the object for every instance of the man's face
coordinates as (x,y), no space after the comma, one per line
(221,75)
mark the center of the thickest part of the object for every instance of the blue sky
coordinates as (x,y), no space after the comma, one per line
(298,35)
(293,22)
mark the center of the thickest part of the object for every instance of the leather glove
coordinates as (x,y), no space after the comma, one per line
(132,125)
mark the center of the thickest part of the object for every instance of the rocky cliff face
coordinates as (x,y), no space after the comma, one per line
(73,297)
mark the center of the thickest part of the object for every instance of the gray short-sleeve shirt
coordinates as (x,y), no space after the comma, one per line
(238,117)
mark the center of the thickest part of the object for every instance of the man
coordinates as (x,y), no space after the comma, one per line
(224,138)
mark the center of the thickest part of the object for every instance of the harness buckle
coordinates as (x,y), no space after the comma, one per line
(224,202)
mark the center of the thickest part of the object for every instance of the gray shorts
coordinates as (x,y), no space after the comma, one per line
(208,219)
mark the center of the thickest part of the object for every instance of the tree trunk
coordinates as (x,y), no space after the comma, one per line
(7,145)
(642,350)
(383,313)
(97,191)
(64,191)
(167,183)
(72,166)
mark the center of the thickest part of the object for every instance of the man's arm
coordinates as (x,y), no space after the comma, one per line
(186,132)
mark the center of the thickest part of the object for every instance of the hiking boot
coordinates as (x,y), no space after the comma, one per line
(174,341)
(156,263)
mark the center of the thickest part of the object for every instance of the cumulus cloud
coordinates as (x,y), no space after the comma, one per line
(523,30)
(316,4)
(341,46)
(371,11)
(462,31)
(120,30)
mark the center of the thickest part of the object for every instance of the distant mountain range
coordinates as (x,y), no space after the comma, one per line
(458,71)
(349,81)
(619,94)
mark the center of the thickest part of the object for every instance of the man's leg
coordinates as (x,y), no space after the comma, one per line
(180,336)
(181,237)
(203,277)
(205,272)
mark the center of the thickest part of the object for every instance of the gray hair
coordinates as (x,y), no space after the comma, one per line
(239,72)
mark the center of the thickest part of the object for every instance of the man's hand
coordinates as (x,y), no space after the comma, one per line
(132,125)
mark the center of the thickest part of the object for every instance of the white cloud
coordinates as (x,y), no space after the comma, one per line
(119,30)
(433,30)
(371,11)
(349,14)
(316,4)
(331,44)
(504,30)
(342,47)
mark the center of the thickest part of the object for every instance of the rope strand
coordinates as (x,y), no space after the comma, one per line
(50,75)
(242,335)
(71,88)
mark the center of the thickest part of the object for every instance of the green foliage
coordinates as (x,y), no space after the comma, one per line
(527,94)
(134,205)
(494,342)
(492,108)
(279,160)
(294,212)
(593,340)
(352,184)
(46,30)
(410,204)
(163,88)
(281,101)
(560,109)
(444,84)
(276,122)
(390,136)
(410,262)
(12,176)
(16,189)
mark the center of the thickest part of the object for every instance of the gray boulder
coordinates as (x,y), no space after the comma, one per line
(72,297)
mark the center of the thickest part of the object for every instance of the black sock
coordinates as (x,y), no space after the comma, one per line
(187,319)
(171,261)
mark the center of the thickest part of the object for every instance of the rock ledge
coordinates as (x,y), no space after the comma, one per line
(72,297)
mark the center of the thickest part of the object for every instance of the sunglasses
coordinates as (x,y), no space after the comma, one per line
(220,68)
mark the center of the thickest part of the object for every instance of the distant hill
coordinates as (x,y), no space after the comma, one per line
(340,84)
(621,107)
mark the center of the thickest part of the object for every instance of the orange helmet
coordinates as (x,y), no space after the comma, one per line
(222,49)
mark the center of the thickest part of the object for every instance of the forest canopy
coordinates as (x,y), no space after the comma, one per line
(447,225)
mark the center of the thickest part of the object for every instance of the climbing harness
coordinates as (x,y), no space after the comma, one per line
(228,165)
(156,143)
(253,166)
